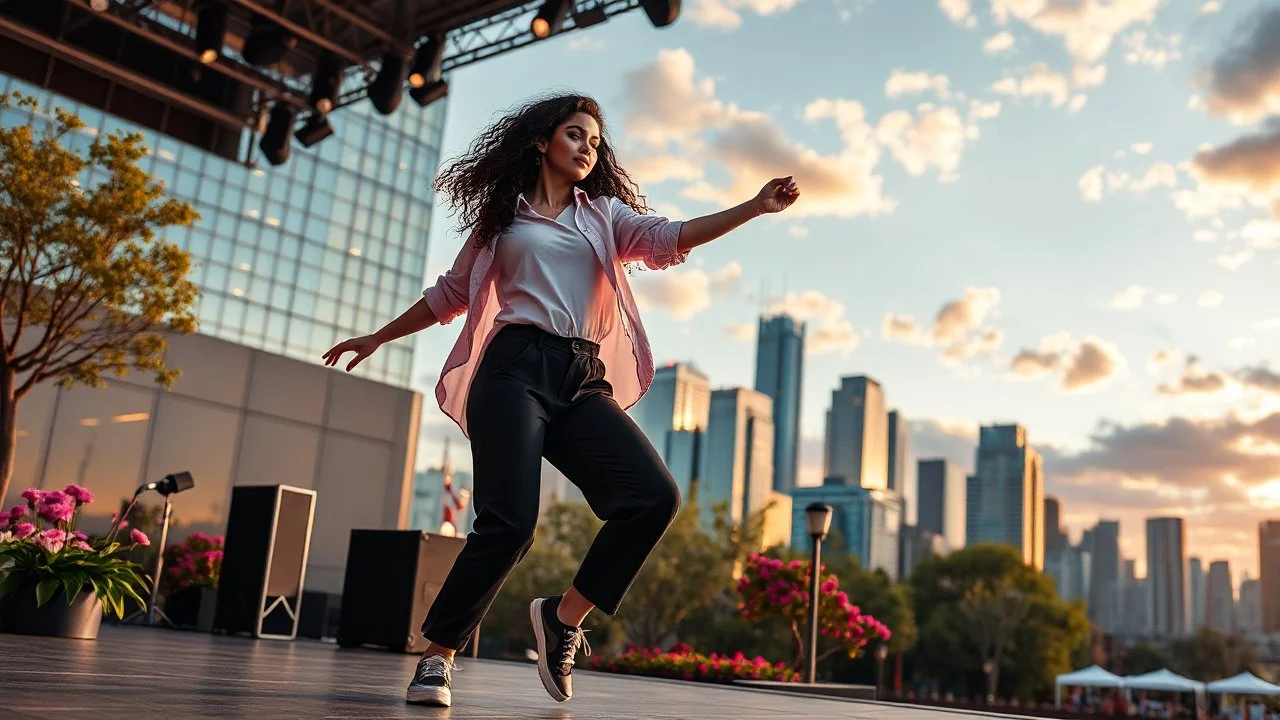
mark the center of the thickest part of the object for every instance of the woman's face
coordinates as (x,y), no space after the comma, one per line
(571,152)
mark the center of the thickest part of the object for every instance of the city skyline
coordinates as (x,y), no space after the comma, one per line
(1040,263)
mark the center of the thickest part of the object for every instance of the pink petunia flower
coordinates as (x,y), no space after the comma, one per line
(81,545)
(139,537)
(81,495)
(32,496)
(16,513)
(23,530)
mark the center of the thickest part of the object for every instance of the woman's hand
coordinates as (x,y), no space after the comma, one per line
(363,347)
(777,195)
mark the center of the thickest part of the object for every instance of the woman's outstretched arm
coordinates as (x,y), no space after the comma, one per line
(777,195)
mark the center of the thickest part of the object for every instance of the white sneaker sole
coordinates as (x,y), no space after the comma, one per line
(544,671)
(426,695)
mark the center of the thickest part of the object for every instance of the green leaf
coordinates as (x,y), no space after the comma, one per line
(45,590)
(10,582)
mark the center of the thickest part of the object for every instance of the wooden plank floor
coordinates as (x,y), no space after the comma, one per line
(145,674)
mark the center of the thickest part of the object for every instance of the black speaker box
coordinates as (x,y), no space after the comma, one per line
(392,578)
(319,616)
(264,560)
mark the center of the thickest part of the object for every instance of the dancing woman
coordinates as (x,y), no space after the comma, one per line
(552,353)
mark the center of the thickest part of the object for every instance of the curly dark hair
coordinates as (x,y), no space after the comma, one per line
(501,163)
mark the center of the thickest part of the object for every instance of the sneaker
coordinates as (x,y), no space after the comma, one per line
(557,645)
(431,682)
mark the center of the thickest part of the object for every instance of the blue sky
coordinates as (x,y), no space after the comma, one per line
(1012,210)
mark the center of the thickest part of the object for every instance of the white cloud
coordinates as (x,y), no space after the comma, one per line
(1141,148)
(1244,82)
(672,111)
(1091,183)
(1084,76)
(1131,298)
(743,332)
(1205,235)
(1039,80)
(727,14)
(1211,299)
(1261,234)
(959,327)
(1160,359)
(1087,27)
(1087,365)
(983,110)
(1235,260)
(1152,49)
(828,329)
(685,293)
(904,82)
(1210,7)
(960,12)
(934,138)
(998,43)
(1077,103)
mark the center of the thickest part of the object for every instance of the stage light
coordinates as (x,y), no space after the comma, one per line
(429,93)
(661,13)
(315,129)
(267,43)
(211,28)
(593,15)
(550,18)
(275,139)
(426,62)
(325,82)
(387,88)
(99,5)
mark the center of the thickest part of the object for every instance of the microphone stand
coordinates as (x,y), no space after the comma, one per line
(152,612)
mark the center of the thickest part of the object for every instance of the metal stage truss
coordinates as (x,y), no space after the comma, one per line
(208,71)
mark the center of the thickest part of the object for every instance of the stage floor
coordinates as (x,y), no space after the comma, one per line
(142,673)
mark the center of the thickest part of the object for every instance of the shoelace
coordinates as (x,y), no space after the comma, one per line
(434,665)
(572,639)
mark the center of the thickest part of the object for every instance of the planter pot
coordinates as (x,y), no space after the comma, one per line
(20,616)
(192,608)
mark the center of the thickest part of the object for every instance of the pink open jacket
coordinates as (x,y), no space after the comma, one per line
(618,235)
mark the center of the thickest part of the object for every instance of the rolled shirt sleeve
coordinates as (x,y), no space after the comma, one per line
(651,239)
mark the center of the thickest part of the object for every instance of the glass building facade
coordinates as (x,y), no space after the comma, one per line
(291,259)
(868,522)
(780,374)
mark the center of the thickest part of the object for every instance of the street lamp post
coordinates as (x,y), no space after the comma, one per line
(818,516)
(882,652)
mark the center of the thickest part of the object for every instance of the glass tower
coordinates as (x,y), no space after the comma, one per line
(779,372)
(291,259)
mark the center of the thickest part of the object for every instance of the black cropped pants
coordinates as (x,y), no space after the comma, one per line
(539,395)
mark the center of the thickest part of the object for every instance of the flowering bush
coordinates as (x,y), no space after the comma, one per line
(682,663)
(771,588)
(39,544)
(196,562)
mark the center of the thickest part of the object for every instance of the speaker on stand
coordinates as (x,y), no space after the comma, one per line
(264,561)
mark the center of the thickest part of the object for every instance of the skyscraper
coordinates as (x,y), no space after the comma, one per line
(737,459)
(1220,599)
(1249,609)
(779,374)
(1070,569)
(1166,576)
(1054,537)
(941,500)
(673,415)
(857,442)
(1196,579)
(868,521)
(899,440)
(1106,603)
(1269,561)
(1005,498)
(1133,600)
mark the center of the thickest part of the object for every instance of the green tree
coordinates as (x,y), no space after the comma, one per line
(949,650)
(86,289)
(1209,655)
(1140,659)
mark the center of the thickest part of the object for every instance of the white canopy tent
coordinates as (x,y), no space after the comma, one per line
(1245,683)
(1092,676)
(1166,681)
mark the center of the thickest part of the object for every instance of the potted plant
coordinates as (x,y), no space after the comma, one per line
(191,575)
(55,579)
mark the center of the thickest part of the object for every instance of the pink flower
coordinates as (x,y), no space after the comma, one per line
(139,537)
(830,584)
(79,535)
(794,565)
(16,512)
(57,506)
(23,530)
(79,494)
(32,496)
(81,545)
(52,540)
